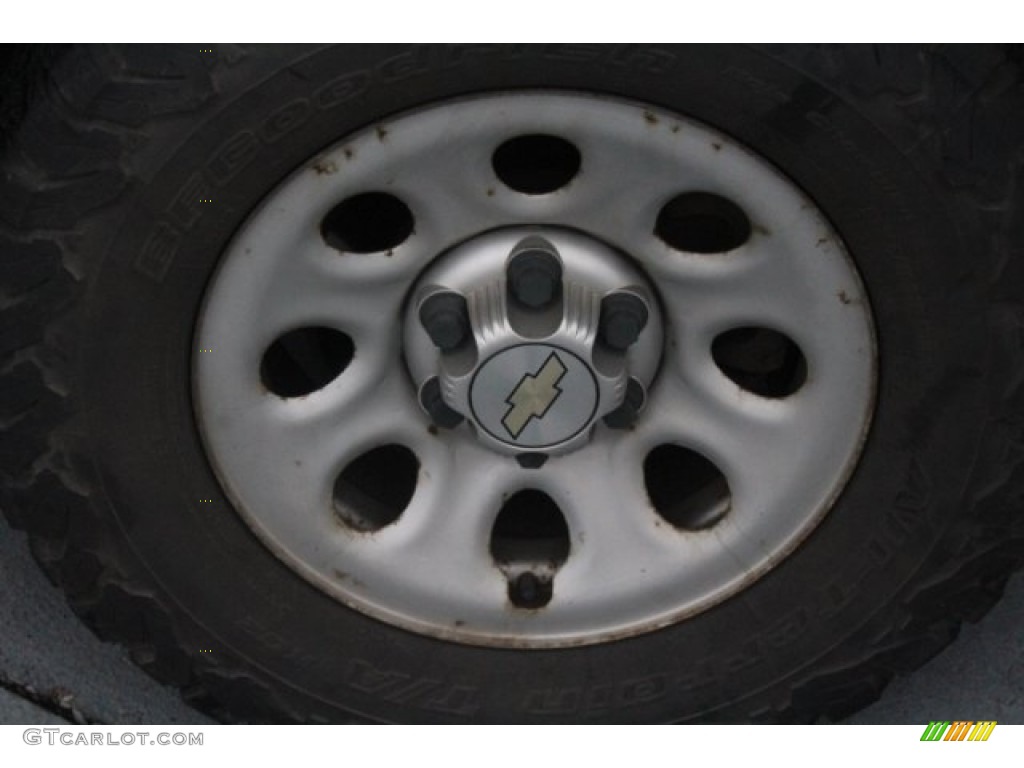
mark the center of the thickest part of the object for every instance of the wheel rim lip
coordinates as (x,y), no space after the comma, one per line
(517,636)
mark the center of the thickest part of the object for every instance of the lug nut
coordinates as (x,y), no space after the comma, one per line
(433,403)
(528,591)
(534,272)
(531,460)
(623,317)
(626,414)
(445,318)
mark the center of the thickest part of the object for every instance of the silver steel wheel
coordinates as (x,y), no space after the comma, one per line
(756,364)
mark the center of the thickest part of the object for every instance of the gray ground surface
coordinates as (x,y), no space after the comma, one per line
(15,709)
(44,647)
(48,656)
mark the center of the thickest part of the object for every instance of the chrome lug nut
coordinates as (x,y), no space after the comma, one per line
(623,317)
(445,318)
(529,591)
(626,414)
(534,272)
(531,460)
(433,403)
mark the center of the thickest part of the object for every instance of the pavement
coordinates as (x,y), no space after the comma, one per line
(53,670)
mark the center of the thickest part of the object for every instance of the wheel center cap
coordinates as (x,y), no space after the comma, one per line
(534,396)
(532,335)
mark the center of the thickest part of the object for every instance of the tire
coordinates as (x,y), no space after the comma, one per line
(913,156)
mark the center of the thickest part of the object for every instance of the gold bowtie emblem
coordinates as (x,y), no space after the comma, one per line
(534,395)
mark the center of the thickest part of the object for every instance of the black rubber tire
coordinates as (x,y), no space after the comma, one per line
(916,154)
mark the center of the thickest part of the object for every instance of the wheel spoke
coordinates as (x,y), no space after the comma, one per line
(749,439)
(442,537)
(617,540)
(303,444)
(361,295)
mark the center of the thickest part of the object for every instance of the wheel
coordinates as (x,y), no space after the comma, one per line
(518,383)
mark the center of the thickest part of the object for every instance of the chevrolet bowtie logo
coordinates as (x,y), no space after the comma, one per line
(534,395)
